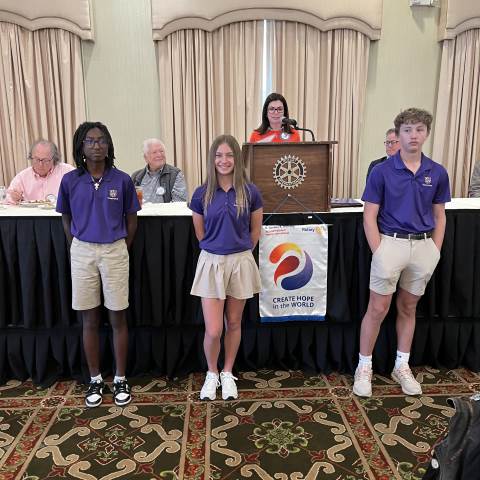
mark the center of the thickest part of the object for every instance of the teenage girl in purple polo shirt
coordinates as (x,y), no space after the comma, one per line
(227,216)
(99,208)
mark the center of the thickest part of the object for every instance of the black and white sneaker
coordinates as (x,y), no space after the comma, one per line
(121,393)
(94,395)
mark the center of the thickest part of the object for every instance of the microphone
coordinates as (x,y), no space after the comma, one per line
(289,121)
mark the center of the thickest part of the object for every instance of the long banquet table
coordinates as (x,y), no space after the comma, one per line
(40,335)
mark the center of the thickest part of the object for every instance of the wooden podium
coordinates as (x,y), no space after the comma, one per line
(302,170)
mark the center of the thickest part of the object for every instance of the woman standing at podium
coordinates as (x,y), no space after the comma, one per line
(227,216)
(275,109)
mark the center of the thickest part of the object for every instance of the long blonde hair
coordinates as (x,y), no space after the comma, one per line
(240,179)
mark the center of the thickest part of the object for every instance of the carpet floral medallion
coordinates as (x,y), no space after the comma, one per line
(284,426)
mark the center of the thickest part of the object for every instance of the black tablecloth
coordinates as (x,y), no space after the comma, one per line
(40,336)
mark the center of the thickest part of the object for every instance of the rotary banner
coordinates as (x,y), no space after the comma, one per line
(293,266)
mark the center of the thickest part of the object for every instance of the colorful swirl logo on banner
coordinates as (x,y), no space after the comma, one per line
(290,264)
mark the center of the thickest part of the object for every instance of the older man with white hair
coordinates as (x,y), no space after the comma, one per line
(160,182)
(42,179)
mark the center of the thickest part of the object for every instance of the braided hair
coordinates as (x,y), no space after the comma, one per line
(79,137)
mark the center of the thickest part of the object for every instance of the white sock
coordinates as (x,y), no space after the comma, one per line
(119,379)
(402,358)
(364,360)
(96,379)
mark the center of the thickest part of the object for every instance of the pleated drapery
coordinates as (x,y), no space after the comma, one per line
(210,84)
(41,93)
(323,76)
(456,142)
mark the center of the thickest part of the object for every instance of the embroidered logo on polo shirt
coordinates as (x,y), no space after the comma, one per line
(113,194)
(427,182)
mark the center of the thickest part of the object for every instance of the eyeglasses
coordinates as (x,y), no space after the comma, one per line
(90,142)
(275,109)
(390,143)
(41,160)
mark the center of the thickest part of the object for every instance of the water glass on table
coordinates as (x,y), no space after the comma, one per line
(139,191)
(3,193)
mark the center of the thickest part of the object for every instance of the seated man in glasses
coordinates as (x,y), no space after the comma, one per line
(391,148)
(41,180)
(160,182)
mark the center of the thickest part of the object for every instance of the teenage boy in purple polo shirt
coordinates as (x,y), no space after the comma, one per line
(99,208)
(404,221)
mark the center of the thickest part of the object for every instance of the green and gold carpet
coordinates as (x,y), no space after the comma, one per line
(284,426)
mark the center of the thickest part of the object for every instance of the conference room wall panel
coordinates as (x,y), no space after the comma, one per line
(403,71)
(121,79)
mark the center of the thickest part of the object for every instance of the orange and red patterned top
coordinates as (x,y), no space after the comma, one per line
(274,136)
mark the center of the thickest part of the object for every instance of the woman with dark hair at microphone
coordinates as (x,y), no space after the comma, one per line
(274,128)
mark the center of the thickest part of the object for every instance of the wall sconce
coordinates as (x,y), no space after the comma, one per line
(424,3)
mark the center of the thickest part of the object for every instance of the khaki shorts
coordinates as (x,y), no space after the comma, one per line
(218,276)
(97,265)
(411,263)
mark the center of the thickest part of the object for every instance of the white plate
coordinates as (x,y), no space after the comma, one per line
(28,205)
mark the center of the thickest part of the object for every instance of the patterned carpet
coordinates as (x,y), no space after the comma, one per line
(286,425)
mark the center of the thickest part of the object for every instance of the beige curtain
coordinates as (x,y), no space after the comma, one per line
(456,142)
(323,76)
(210,83)
(41,93)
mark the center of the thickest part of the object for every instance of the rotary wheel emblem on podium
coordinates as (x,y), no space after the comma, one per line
(289,172)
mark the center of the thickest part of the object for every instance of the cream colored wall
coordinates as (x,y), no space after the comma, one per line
(403,71)
(121,78)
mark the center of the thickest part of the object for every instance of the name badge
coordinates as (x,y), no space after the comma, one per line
(285,136)
(160,191)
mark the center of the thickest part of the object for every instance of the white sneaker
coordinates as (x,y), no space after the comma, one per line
(209,389)
(404,376)
(94,394)
(362,385)
(229,388)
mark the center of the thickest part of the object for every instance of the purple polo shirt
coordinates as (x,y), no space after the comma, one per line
(406,200)
(226,233)
(98,216)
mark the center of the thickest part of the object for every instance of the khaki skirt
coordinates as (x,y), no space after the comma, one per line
(218,276)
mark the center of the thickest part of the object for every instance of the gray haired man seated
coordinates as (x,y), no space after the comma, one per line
(42,179)
(160,182)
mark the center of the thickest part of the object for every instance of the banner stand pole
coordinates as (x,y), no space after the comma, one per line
(305,208)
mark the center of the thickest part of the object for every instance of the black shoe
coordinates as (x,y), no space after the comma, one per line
(94,395)
(121,389)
